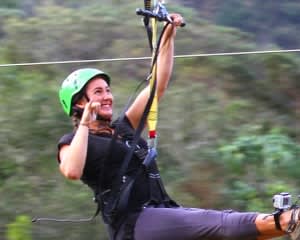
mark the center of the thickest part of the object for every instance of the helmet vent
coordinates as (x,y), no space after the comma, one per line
(64,103)
(75,84)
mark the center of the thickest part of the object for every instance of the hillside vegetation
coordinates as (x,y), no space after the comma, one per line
(229,133)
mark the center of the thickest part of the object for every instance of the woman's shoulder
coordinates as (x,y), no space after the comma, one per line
(66,138)
(122,121)
(123,127)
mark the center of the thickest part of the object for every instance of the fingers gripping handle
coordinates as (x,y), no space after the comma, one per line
(159,12)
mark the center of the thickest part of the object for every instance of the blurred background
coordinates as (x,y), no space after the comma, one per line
(229,135)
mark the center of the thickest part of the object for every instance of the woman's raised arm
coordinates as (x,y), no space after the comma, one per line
(164,71)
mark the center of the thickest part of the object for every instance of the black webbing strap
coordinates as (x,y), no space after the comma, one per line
(126,187)
(277,220)
(146,20)
(116,186)
(114,195)
(99,192)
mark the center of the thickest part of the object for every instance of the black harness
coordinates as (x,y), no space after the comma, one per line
(113,203)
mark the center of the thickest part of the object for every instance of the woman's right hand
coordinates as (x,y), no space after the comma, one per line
(72,157)
(89,113)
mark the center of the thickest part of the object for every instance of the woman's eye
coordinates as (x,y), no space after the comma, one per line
(101,91)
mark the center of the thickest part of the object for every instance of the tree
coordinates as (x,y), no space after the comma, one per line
(258,165)
(20,229)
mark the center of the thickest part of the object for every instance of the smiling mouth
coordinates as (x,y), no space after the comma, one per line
(106,107)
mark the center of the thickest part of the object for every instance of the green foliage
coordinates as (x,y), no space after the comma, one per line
(270,21)
(254,161)
(209,100)
(272,152)
(20,229)
(10,3)
(7,169)
(235,18)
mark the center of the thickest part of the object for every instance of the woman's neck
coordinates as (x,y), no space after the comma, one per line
(101,126)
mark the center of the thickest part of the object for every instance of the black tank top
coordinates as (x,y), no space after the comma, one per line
(101,169)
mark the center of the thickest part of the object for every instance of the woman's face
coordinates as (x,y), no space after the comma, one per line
(98,90)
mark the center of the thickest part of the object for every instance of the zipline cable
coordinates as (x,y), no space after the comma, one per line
(147,58)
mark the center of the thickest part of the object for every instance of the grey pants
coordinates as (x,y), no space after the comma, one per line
(193,224)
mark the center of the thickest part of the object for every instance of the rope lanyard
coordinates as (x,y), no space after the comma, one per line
(153,113)
(157,12)
(151,15)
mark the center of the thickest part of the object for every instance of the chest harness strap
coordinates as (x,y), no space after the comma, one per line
(113,203)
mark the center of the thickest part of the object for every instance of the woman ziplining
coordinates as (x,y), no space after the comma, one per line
(119,166)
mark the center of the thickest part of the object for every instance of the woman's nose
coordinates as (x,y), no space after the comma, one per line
(108,95)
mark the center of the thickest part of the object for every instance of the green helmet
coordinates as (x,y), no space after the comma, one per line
(74,83)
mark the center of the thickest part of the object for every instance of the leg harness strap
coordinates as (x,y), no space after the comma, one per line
(277,219)
(294,220)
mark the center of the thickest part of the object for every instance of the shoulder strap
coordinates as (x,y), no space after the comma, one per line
(111,208)
(114,195)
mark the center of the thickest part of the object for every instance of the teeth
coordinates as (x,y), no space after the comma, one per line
(106,106)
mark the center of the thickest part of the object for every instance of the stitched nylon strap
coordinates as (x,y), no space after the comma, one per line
(277,219)
(150,109)
(153,113)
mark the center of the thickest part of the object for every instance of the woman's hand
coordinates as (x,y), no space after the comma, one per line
(177,19)
(90,112)
(164,70)
(72,157)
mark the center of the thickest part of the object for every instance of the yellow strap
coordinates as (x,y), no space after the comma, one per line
(152,116)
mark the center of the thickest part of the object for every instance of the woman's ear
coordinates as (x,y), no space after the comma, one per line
(81,103)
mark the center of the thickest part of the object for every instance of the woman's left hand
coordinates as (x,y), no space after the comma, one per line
(177,19)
